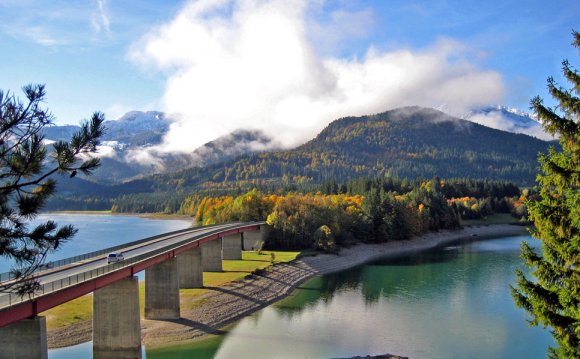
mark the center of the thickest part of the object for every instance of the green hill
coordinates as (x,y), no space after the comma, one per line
(409,142)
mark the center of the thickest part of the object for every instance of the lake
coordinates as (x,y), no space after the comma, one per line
(453,302)
(447,303)
(100,231)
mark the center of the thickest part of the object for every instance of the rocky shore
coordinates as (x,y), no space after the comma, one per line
(224,305)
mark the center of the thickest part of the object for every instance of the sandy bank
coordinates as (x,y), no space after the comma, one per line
(224,305)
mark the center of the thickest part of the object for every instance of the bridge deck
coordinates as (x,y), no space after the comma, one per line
(76,279)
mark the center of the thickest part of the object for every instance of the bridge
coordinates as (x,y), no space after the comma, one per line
(171,261)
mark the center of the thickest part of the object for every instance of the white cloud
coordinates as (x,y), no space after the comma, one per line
(100,18)
(253,64)
(497,120)
(53,24)
(146,156)
(107,150)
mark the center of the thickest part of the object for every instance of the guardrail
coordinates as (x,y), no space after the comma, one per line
(7,276)
(10,299)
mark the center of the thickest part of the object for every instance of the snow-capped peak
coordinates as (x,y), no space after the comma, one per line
(508,119)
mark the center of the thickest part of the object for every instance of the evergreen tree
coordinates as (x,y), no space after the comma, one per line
(553,299)
(26,169)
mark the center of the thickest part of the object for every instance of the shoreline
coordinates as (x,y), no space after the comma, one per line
(222,306)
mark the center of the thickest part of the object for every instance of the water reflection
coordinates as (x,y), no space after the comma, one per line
(449,303)
(319,290)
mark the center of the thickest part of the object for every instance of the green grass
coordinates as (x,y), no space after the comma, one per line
(498,218)
(81,309)
(77,310)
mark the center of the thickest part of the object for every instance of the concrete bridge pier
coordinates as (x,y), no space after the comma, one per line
(211,256)
(251,240)
(232,246)
(116,321)
(189,269)
(24,339)
(162,291)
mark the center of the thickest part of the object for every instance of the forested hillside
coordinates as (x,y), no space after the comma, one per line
(410,142)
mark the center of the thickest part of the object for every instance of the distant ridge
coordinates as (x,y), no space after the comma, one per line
(419,147)
(410,142)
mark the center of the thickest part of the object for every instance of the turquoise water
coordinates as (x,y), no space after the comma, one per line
(448,303)
(97,232)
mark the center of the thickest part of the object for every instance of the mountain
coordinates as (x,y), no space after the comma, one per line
(414,142)
(129,152)
(138,128)
(235,144)
(410,142)
(508,119)
(134,128)
(132,132)
(127,148)
(59,133)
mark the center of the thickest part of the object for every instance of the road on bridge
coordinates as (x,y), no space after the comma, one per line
(138,256)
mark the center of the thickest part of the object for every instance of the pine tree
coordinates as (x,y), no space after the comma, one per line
(553,298)
(27,167)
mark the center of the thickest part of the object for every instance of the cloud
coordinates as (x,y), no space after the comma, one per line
(255,64)
(501,121)
(41,35)
(100,18)
(56,24)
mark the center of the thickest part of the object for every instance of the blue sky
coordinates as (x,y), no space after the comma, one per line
(321,60)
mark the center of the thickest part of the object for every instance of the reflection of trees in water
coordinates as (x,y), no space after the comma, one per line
(317,290)
(388,277)
(433,273)
(205,348)
(423,275)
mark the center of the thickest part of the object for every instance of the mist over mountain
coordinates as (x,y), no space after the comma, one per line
(409,142)
(235,144)
(405,142)
(129,150)
(508,119)
(123,140)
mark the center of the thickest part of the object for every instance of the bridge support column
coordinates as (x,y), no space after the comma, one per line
(251,240)
(232,246)
(162,291)
(211,256)
(24,339)
(116,322)
(189,269)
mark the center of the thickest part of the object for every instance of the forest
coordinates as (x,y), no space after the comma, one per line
(367,210)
